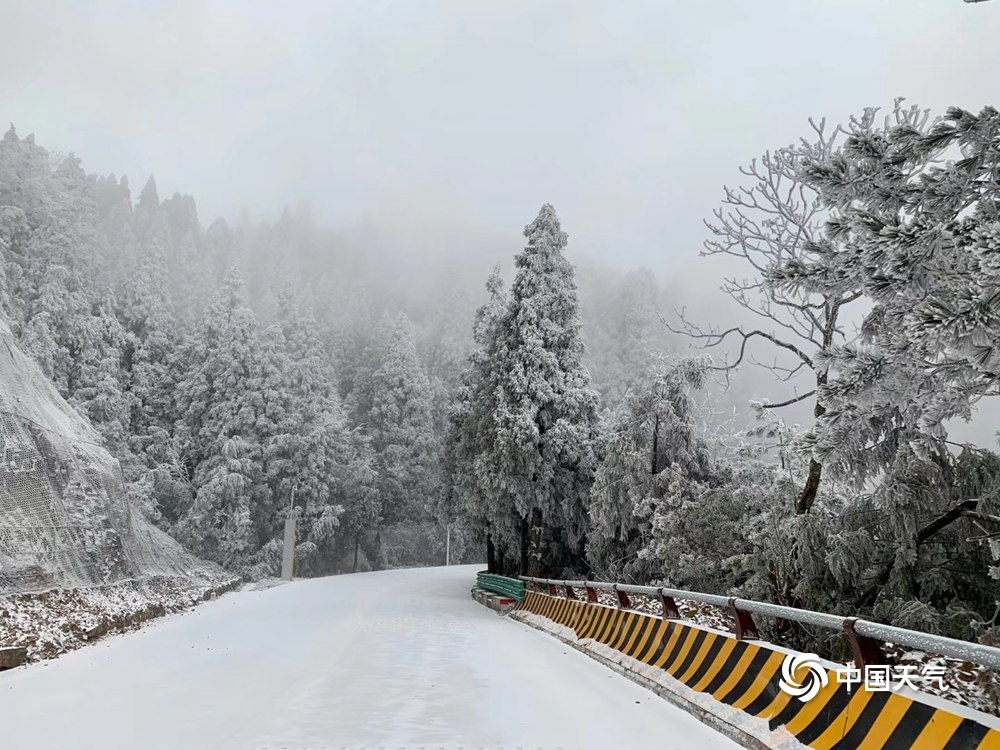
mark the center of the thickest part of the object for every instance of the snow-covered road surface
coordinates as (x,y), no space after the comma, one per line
(392,659)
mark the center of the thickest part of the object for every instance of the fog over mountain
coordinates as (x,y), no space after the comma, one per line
(431,130)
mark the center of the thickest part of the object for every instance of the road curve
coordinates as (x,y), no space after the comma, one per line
(393,659)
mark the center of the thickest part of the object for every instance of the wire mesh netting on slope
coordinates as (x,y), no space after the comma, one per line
(65,515)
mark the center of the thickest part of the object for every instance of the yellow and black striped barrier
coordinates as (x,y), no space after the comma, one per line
(745,675)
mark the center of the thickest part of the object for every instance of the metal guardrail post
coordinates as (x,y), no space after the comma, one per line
(670,611)
(623,601)
(745,627)
(570,594)
(591,593)
(552,589)
(865,650)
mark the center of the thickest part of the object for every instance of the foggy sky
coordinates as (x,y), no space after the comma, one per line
(444,125)
(628,116)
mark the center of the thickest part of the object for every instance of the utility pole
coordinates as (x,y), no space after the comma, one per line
(288,551)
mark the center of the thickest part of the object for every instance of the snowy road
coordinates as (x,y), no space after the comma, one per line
(394,659)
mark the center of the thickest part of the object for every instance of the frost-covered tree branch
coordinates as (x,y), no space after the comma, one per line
(768,226)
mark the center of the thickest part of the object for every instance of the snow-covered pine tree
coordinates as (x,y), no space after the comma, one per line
(467,488)
(100,388)
(191,279)
(117,226)
(218,248)
(357,349)
(357,494)
(542,451)
(147,208)
(13,236)
(648,440)
(222,417)
(402,429)
(219,524)
(308,451)
(51,269)
(151,368)
(622,331)
(444,346)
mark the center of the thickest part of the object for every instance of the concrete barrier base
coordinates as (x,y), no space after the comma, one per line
(497,602)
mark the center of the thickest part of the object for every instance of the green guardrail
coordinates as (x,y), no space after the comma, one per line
(511,587)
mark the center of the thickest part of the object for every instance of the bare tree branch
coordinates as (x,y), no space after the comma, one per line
(768,224)
(714,338)
(790,401)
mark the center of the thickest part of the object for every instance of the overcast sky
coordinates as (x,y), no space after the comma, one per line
(628,116)
(444,125)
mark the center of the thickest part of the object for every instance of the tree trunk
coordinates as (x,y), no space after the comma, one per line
(811,489)
(938,524)
(656,445)
(581,562)
(809,492)
(377,562)
(523,569)
(357,544)
(491,554)
(537,560)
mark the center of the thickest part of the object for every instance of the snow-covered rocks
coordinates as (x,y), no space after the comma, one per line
(66,516)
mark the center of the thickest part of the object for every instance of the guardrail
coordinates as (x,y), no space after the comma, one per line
(511,587)
(865,637)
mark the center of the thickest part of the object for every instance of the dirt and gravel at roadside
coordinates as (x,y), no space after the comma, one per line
(50,623)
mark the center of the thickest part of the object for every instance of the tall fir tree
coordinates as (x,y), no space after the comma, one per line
(222,416)
(402,428)
(650,446)
(467,487)
(545,413)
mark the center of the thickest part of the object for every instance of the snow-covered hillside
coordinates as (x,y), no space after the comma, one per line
(66,518)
